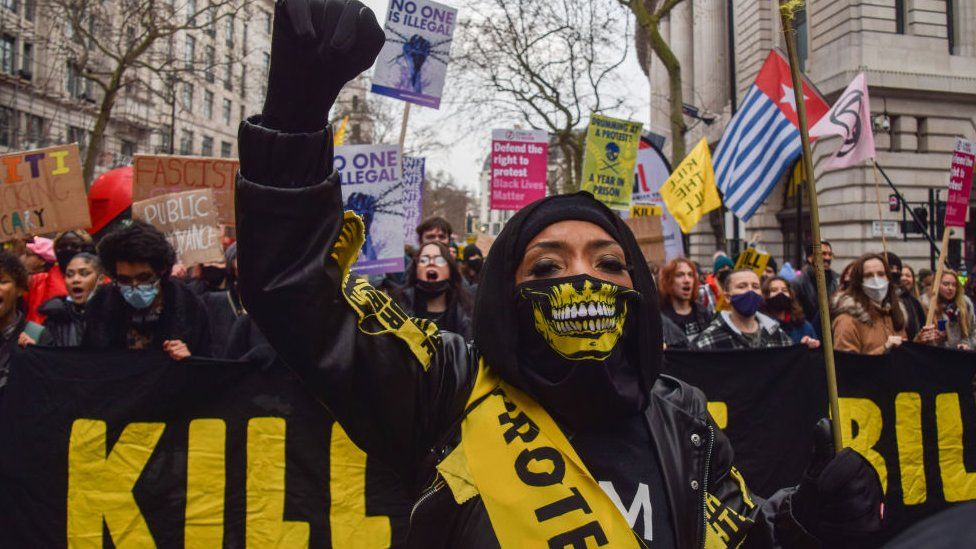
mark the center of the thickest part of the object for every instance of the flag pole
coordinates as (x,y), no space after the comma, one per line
(787,9)
(877,194)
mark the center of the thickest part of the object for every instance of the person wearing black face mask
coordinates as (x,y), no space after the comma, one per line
(778,303)
(221,299)
(743,326)
(471,266)
(554,428)
(435,291)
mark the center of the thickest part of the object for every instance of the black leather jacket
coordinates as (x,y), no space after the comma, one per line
(407,413)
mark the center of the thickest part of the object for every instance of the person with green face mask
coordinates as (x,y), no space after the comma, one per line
(554,428)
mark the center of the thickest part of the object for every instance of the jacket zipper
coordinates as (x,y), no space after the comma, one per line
(437,485)
(708,463)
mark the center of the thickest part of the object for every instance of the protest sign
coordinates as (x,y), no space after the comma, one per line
(413,196)
(519,165)
(373,189)
(413,62)
(189,222)
(751,258)
(201,453)
(42,191)
(690,191)
(650,172)
(960,183)
(645,210)
(608,165)
(648,233)
(156,175)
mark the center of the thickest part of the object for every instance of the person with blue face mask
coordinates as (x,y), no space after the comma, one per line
(143,307)
(743,326)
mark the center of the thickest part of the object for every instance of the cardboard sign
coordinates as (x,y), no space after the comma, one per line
(960,183)
(157,175)
(412,65)
(608,165)
(649,235)
(751,258)
(42,191)
(372,187)
(189,221)
(519,165)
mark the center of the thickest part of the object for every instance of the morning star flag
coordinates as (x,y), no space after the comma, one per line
(763,138)
(413,62)
(850,118)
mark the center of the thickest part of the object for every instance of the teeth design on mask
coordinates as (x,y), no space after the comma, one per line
(586,326)
(585,310)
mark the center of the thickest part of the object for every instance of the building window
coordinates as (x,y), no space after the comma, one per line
(78,86)
(355,103)
(229,31)
(128,149)
(952,25)
(242,115)
(190,53)
(267,22)
(900,16)
(206,149)
(191,10)
(8,127)
(228,74)
(9,4)
(79,136)
(211,60)
(30,7)
(186,142)
(27,61)
(208,100)
(244,38)
(243,80)
(7,44)
(187,97)
(35,130)
(226,112)
(225,149)
(802,36)
(211,28)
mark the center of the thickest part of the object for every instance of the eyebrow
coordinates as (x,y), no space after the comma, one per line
(556,245)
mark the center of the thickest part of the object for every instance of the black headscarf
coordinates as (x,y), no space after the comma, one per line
(495,319)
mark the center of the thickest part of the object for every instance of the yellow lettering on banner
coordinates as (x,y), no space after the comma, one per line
(100,487)
(867,416)
(347,496)
(958,484)
(205,478)
(911,459)
(720,413)
(60,167)
(265,524)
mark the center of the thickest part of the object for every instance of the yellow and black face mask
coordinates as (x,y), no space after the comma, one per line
(580,317)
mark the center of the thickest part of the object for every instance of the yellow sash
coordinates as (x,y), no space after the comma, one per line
(537,491)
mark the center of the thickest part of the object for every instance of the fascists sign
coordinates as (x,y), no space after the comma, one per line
(158,175)
(134,448)
(189,221)
(911,413)
(42,191)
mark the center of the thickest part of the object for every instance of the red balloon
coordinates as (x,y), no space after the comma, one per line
(109,197)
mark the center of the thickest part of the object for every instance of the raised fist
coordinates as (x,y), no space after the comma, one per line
(317,46)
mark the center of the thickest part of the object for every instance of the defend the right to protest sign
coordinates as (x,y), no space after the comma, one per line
(518,168)
(373,189)
(156,175)
(189,222)
(412,65)
(42,191)
(413,195)
(960,183)
(608,165)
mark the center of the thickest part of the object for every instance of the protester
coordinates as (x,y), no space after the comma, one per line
(435,291)
(908,282)
(845,278)
(471,266)
(779,304)
(65,315)
(15,329)
(771,270)
(914,313)
(144,308)
(674,336)
(436,409)
(49,283)
(805,285)
(38,255)
(678,286)
(868,317)
(955,315)
(925,278)
(434,229)
(222,301)
(743,326)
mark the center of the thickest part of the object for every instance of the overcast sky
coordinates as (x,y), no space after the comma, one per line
(464,157)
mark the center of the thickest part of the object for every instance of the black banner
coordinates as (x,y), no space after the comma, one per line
(192,454)
(911,413)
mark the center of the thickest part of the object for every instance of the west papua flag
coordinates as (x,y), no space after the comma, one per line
(763,138)
(850,118)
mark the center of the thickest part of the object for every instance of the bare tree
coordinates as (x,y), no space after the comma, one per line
(443,197)
(649,14)
(549,65)
(127,46)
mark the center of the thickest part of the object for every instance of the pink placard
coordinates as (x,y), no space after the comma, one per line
(518,168)
(960,183)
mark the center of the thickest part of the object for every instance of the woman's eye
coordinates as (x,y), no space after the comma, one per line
(543,268)
(611,264)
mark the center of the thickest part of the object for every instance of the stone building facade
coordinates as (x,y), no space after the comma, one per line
(919,57)
(196,110)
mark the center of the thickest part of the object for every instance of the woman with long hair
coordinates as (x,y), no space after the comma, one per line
(954,313)
(435,290)
(867,315)
(779,303)
(908,282)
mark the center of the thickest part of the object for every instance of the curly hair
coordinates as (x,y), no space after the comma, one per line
(11,266)
(137,242)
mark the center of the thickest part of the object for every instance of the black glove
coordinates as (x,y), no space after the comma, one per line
(317,46)
(840,497)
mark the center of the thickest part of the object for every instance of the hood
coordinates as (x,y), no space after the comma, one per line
(495,318)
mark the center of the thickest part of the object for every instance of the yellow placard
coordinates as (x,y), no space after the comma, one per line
(690,192)
(645,210)
(751,258)
(608,166)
